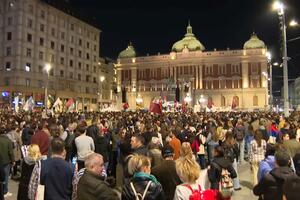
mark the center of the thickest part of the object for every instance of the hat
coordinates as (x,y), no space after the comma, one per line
(167,151)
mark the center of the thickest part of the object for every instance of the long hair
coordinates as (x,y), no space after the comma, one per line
(258,137)
(230,141)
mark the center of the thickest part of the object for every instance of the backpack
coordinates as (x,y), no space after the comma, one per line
(229,153)
(139,196)
(226,184)
(202,195)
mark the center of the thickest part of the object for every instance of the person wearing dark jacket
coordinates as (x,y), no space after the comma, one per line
(137,144)
(142,184)
(270,187)
(218,163)
(2,178)
(91,185)
(34,155)
(166,172)
(102,146)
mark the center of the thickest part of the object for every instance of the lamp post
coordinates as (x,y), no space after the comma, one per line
(280,11)
(269,57)
(102,78)
(47,68)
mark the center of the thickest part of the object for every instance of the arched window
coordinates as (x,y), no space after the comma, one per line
(223,101)
(255,100)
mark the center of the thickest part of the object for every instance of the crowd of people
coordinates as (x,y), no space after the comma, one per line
(141,155)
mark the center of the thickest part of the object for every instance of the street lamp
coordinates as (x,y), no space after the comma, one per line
(280,11)
(47,69)
(293,23)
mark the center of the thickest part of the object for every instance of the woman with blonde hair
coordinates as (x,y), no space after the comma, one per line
(189,173)
(186,150)
(143,185)
(33,156)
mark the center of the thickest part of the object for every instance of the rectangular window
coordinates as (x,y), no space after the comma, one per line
(8,51)
(29,23)
(62,60)
(95,69)
(72,27)
(28,53)
(52,45)
(79,54)
(42,14)
(88,56)
(53,32)
(62,48)
(80,42)
(40,69)
(61,73)
(87,78)
(71,51)
(9,21)
(29,37)
(87,67)
(79,65)
(62,35)
(41,41)
(52,58)
(94,80)
(27,82)
(27,67)
(71,75)
(42,27)
(8,66)
(88,45)
(7,81)
(71,63)
(95,47)
(9,36)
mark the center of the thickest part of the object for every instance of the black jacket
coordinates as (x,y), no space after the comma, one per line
(102,146)
(155,191)
(216,166)
(270,187)
(167,176)
(92,187)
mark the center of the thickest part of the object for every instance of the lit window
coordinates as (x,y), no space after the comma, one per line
(28,67)
(8,51)
(8,66)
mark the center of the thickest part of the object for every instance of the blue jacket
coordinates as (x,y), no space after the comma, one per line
(265,166)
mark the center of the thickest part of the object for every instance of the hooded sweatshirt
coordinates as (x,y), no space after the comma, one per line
(270,187)
(265,166)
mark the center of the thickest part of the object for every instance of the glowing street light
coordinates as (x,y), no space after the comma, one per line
(293,23)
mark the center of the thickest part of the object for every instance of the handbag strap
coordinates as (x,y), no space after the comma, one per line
(138,195)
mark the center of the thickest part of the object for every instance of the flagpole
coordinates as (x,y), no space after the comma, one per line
(47,68)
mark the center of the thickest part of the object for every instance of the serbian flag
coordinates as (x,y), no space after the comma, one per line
(125,106)
(155,107)
(69,102)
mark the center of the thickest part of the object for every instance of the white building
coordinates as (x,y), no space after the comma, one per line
(40,32)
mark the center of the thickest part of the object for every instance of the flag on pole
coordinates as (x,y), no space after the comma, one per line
(70,104)
(58,102)
(29,105)
(234,102)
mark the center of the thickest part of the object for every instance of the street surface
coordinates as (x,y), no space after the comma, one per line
(244,194)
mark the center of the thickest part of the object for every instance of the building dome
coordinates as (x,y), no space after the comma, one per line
(254,43)
(129,52)
(189,41)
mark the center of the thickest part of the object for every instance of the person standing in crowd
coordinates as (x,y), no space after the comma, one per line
(2,178)
(142,183)
(271,185)
(54,173)
(68,137)
(103,147)
(137,144)
(268,163)
(174,143)
(292,145)
(257,153)
(218,163)
(291,188)
(6,152)
(41,138)
(33,156)
(239,132)
(248,138)
(154,151)
(231,151)
(91,185)
(84,145)
(199,148)
(166,172)
(15,137)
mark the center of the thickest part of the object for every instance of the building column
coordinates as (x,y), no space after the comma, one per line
(245,75)
(200,78)
(197,78)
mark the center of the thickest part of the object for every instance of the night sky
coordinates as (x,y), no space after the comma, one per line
(154,26)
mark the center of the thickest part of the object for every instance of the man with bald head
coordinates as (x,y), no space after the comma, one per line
(91,185)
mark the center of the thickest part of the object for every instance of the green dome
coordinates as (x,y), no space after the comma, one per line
(189,41)
(129,52)
(254,43)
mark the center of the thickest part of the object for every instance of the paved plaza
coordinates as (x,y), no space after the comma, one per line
(244,194)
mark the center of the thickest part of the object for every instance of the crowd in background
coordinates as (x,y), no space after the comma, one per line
(122,155)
